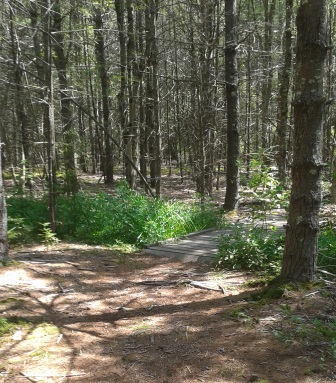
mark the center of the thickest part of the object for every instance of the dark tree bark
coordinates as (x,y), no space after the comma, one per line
(285,77)
(69,135)
(132,133)
(152,95)
(48,115)
(122,104)
(105,90)
(266,89)
(299,261)
(231,77)
(20,107)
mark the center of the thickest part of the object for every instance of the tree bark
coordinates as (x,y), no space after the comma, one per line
(105,90)
(61,64)
(4,256)
(299,261)
(48,116)
(285,77)
(231,79)
(152,95)
(132,133)
(266,89)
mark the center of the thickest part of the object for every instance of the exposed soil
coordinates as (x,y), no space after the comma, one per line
(95,314)
(99,315)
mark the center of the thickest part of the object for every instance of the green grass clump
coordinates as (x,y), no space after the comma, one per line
(9,325)
(127,217)
(327,250)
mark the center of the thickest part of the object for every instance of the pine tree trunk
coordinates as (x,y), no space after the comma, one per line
(152,95)
(285,77)
(48,116)
(231,79)
(300,253)
(105,89)
(61,64)
(133,89)
(4,256)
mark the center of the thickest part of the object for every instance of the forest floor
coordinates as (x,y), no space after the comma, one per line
(94,314)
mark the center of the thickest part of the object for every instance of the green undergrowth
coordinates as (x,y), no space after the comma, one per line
(9,325)
(255,249)
(126,217)
(310,330)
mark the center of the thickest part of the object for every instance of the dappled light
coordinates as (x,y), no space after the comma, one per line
(88,321)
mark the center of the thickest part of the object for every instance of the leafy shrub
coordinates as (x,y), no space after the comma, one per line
(24,217)
(252,249)
(256,250)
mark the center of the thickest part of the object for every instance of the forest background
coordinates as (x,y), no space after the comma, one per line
(113,110)
(142,87)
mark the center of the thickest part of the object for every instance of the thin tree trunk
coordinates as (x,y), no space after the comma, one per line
(231,79)
(122,104)
(4,256)
(20,109)
(105,89)
(285,77)
(152,96)
(266,89)
(48,117)
(132,144)
(61,64)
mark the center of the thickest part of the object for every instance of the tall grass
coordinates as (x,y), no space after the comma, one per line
(127,217)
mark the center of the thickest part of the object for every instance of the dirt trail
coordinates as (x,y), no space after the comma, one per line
(98,315)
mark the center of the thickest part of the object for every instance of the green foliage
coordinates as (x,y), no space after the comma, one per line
(257,250)
(252,249)
(327,249)
(24,215)
(264,187)
(125,218)
(9,325)
(310,330)
(47,236)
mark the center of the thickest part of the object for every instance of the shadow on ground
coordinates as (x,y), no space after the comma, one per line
(96,315)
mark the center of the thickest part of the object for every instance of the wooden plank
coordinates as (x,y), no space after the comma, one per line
(194,245)
(182,257)
(180,250)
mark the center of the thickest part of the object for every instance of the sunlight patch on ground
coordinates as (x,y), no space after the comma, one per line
(22,278)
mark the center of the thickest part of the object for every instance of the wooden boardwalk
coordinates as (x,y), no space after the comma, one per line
(197,247)
(202,246)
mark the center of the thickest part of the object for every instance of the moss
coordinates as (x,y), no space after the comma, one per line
(9,325)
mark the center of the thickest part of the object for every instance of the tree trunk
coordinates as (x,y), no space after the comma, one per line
(283,94)
(48,116)
(20,109)
(105,89)
(4,256)
(132,134)
(266,90)
(152,95)
(299,261)
(231,79)
(122,105)
(61,64)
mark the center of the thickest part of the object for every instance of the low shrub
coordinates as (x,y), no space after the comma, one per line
(256,250)
(251,249)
